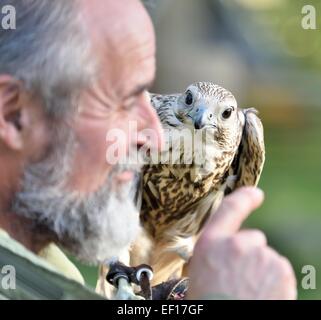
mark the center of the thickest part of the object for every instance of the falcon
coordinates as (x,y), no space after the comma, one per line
(178,198)
(212,147)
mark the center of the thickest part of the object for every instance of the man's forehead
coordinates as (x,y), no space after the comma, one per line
(115,21)
(123,40)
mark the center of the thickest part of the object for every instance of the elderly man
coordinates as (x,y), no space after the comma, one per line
(69,73)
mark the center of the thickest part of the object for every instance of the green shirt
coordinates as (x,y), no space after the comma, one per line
(51,275)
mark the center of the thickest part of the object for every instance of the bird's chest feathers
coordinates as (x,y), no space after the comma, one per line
(176,186)
(188,171)
(195,157)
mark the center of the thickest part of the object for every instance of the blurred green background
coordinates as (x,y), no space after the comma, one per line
(258,50)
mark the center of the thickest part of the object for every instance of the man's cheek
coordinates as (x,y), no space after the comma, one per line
(93,147)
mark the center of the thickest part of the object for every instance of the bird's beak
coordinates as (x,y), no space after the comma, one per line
(201,117)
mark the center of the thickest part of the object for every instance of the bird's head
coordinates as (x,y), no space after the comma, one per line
(206,105)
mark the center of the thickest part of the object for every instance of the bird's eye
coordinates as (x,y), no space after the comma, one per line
(227,113)
(189,98)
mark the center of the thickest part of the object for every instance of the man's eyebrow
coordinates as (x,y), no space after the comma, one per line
(139,89)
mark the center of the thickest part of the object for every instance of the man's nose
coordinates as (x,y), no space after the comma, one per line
(151,127)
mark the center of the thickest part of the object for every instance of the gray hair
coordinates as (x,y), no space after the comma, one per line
(48,51)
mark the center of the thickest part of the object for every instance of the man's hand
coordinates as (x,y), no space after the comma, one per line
(238,264)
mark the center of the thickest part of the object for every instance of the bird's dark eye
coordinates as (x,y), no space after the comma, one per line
(189,98)
(227,113)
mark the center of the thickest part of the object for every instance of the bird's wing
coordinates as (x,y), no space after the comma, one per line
(249,160)
(164,106)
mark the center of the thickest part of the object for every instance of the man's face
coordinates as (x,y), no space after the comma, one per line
(124,46)
(86,201)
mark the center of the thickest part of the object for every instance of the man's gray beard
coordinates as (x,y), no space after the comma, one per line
(95,228)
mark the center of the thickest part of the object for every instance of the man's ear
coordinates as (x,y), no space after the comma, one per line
(11,109)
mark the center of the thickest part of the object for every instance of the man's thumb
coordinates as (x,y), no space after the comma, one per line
(234,209)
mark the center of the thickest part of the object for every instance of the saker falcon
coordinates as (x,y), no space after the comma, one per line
(178,198)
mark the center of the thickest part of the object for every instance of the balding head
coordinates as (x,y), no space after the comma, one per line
(116,42)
